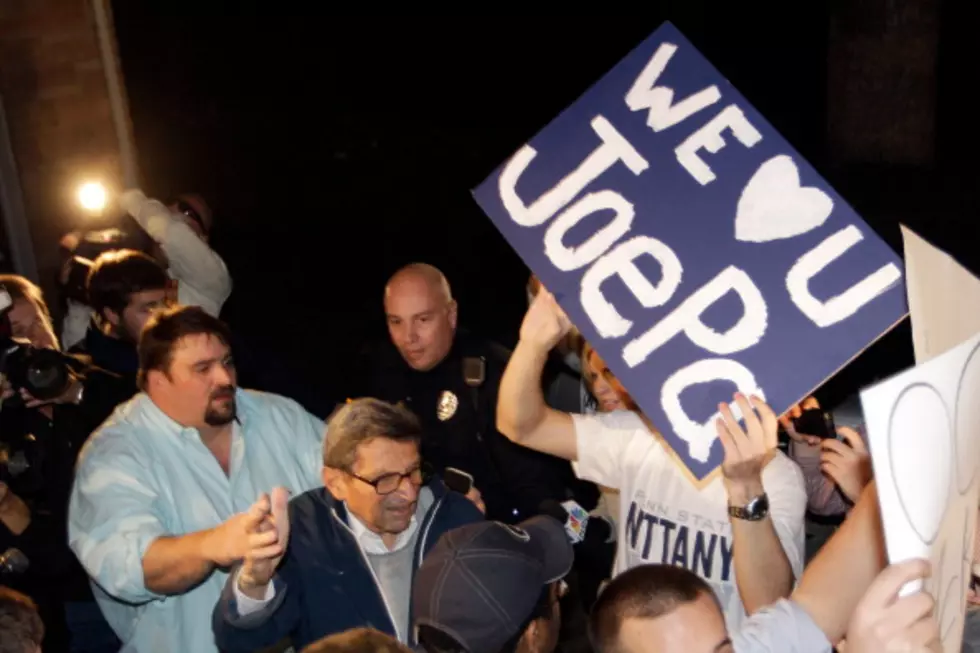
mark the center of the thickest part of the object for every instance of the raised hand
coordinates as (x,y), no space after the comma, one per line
(748,450)
(545,324)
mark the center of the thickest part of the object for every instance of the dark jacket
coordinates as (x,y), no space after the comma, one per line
(513,480)
(116,383)
(324,585)
(49,444)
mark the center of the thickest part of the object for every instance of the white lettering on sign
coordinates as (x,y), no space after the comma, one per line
(614,148)
(700,437)
(846,304)
(645,94)
(708,137)
(570,258)
(686,318)
(621,262)
(774,205)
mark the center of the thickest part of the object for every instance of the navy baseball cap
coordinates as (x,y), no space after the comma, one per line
(481,582)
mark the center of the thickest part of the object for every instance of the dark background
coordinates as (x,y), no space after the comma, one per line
(335,149)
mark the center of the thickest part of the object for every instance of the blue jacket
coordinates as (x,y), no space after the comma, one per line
(324,584)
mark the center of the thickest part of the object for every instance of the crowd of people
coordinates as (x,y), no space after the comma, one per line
(165,508)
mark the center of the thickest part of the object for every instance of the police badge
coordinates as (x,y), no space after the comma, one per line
(446,408)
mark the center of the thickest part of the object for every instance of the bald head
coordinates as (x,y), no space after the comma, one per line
(417,275)
(421,315)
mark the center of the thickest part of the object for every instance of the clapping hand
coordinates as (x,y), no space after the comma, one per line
(268,538)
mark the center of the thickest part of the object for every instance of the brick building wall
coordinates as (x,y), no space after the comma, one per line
(59,116)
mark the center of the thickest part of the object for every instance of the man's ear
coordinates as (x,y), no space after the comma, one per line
(453,313)
(155,378)
(335,482)
(112,317)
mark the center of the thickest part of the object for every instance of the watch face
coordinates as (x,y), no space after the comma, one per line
(758,506)
(754,510)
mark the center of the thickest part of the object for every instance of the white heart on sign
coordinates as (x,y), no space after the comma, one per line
(773,205)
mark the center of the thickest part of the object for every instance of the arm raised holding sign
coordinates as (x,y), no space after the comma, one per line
(522,414)
(762,569)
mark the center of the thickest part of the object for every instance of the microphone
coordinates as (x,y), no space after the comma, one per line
(579,525)
(13,561)
(572,515)
(474,371)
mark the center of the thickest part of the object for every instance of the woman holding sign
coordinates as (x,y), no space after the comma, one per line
(745,523)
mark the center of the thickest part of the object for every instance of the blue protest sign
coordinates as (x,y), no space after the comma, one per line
(692,245)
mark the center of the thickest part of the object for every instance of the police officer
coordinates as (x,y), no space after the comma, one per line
(449,378)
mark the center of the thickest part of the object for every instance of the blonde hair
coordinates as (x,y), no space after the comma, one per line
(21,289)
(24,289)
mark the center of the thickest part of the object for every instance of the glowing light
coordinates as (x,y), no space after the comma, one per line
(92,196)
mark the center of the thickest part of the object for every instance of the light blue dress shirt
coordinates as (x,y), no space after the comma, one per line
(142,476)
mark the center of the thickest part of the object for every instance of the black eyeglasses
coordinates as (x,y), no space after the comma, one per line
(388,483)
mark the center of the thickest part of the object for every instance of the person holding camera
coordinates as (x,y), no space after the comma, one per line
(44,420)
(176,235)
(831,450)
(79,249)
(181,231)
(124,288)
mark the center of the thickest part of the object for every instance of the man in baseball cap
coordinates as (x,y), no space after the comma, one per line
(493,588)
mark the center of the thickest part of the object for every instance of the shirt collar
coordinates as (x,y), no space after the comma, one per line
(372,543)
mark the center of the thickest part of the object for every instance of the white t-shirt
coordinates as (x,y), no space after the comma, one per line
(665,519)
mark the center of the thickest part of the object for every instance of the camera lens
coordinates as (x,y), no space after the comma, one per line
(46,376)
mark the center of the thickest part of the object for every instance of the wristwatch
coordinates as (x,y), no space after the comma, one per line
(755,510)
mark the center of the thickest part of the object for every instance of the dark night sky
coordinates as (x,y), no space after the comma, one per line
(335,149)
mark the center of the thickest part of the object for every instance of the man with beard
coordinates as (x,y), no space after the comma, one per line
(166,488)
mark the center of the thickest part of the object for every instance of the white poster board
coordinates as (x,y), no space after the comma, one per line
(924,430)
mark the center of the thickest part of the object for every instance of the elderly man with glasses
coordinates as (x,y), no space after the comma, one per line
(342,556)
